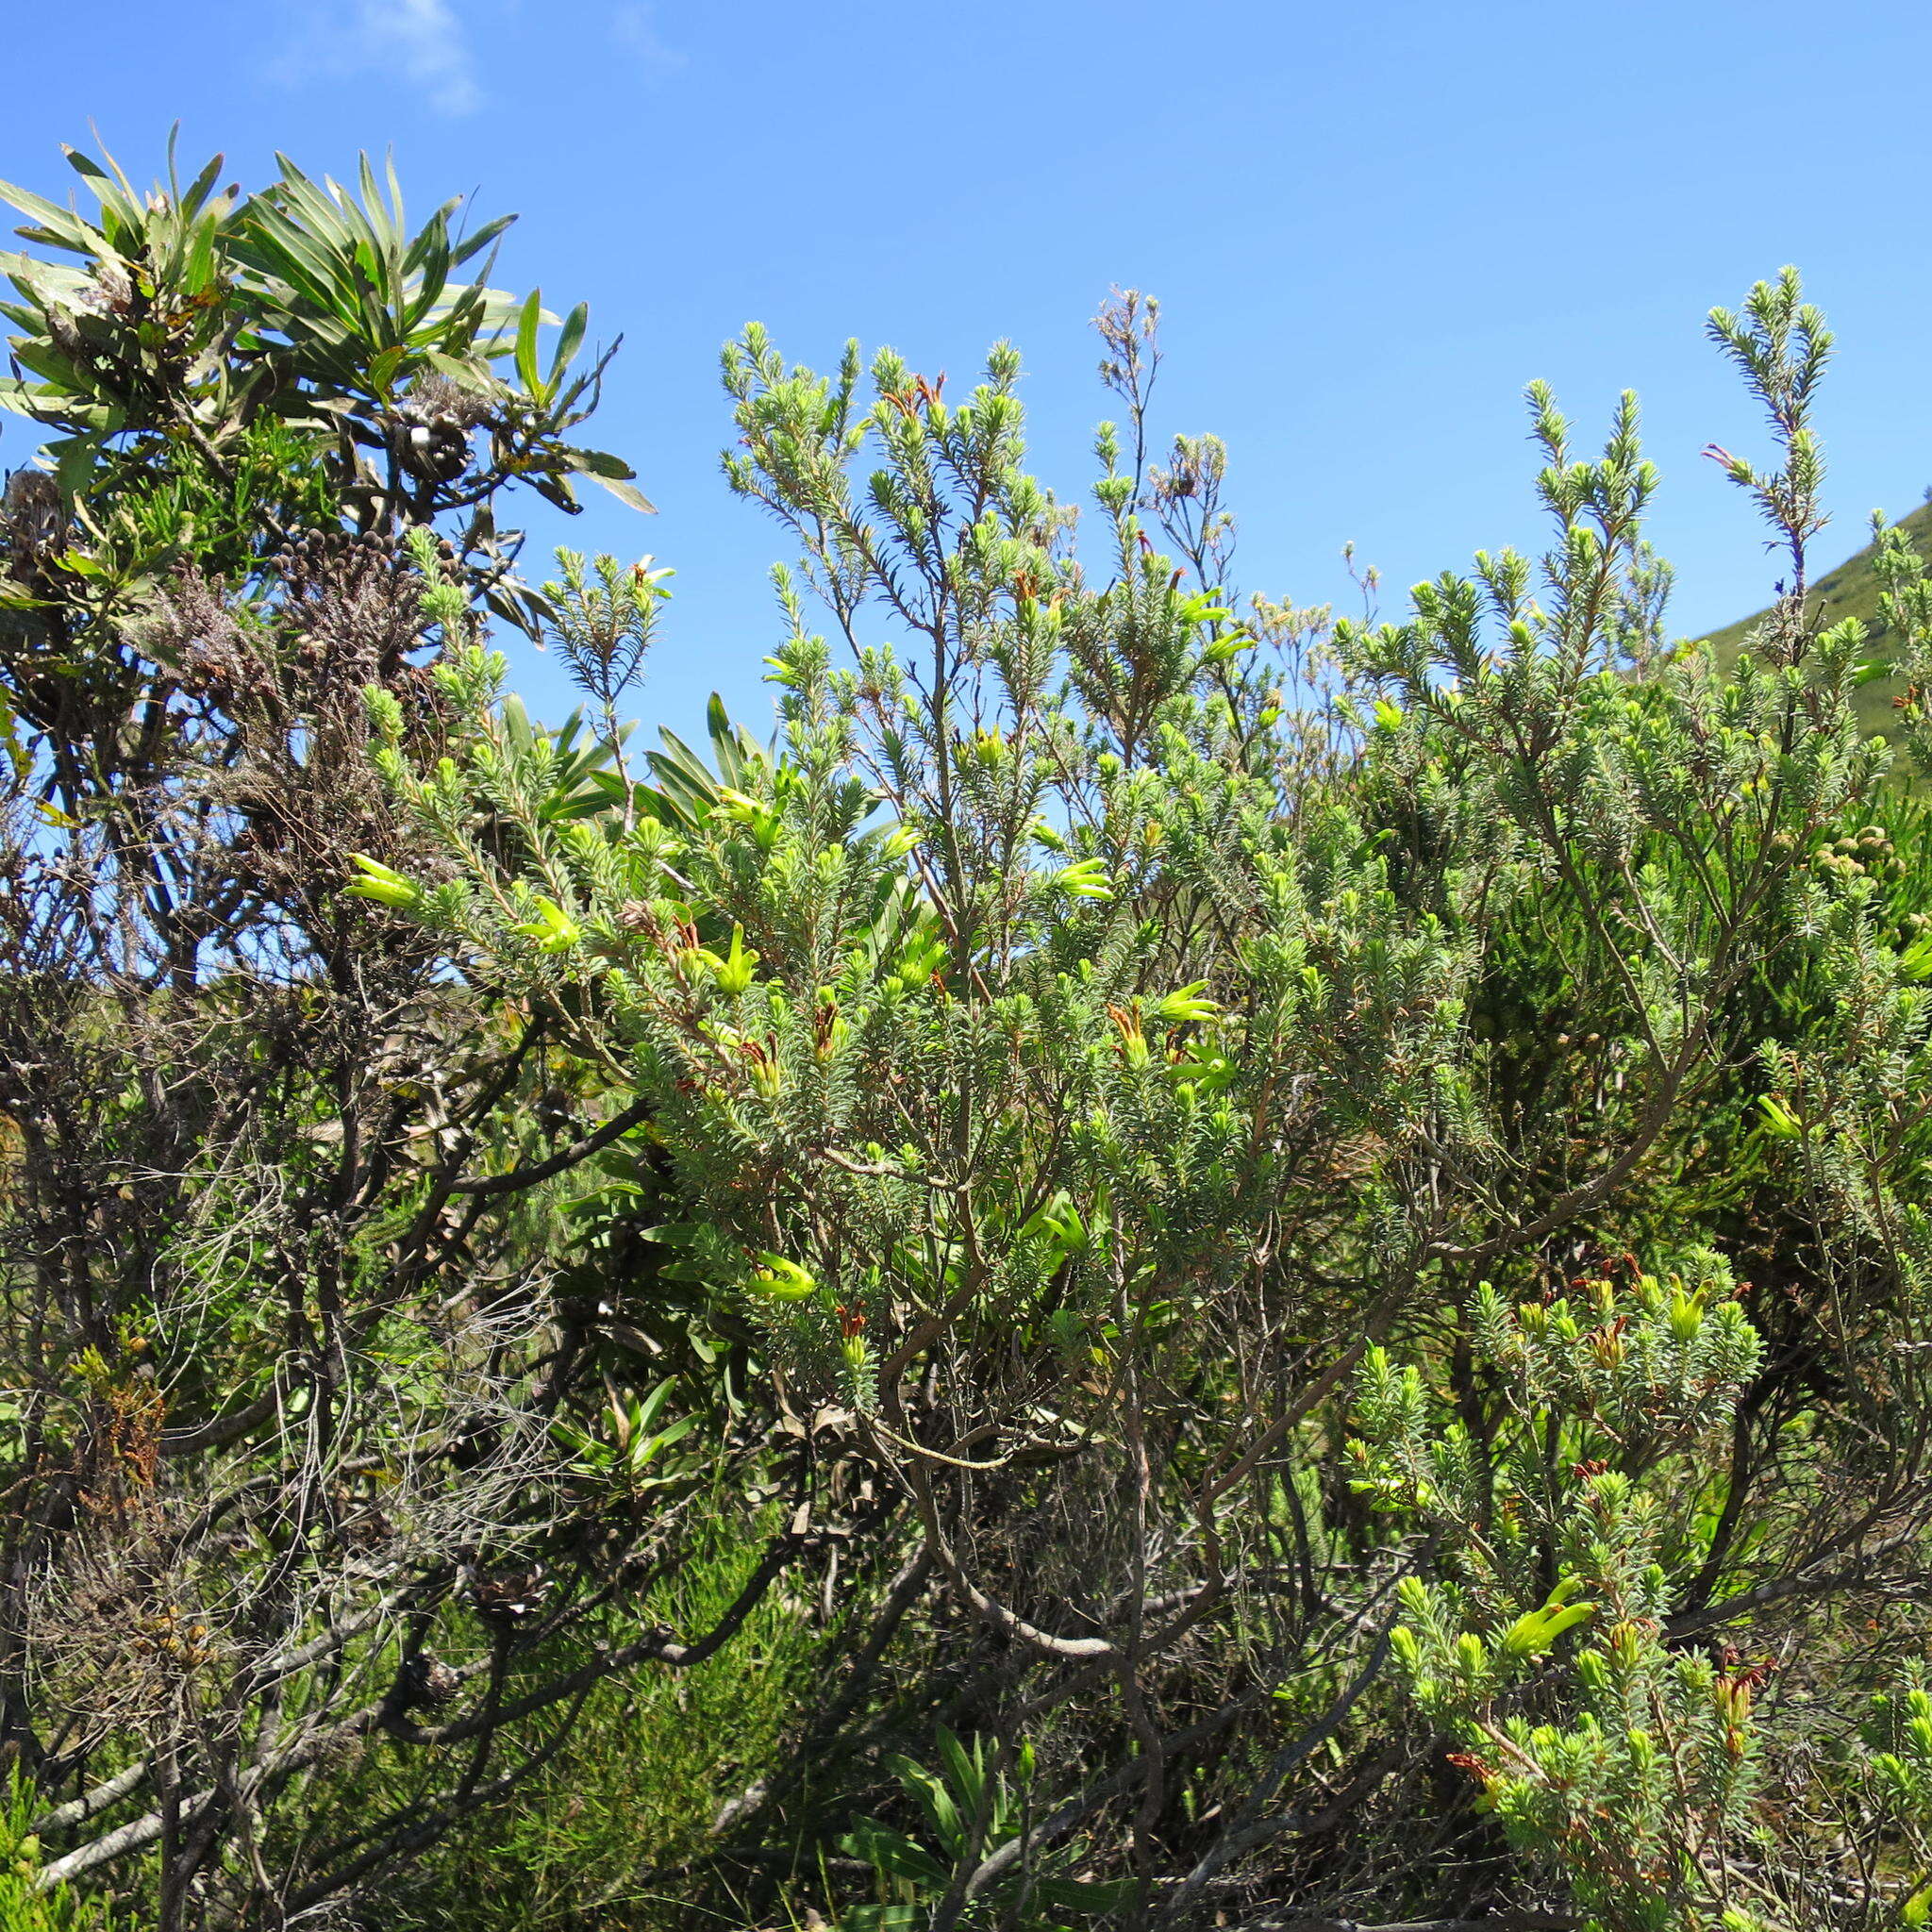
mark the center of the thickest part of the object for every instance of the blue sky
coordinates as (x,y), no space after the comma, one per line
(1369,227)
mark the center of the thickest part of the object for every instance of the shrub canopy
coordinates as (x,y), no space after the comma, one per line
(1233,1267)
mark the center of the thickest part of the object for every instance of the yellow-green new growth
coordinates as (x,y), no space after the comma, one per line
(383,884)
(553,929)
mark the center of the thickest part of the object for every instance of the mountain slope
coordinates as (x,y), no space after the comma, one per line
(1850,591)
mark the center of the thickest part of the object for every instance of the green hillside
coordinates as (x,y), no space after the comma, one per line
(1850,591)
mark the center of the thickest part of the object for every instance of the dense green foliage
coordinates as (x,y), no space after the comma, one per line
(1171,1264)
